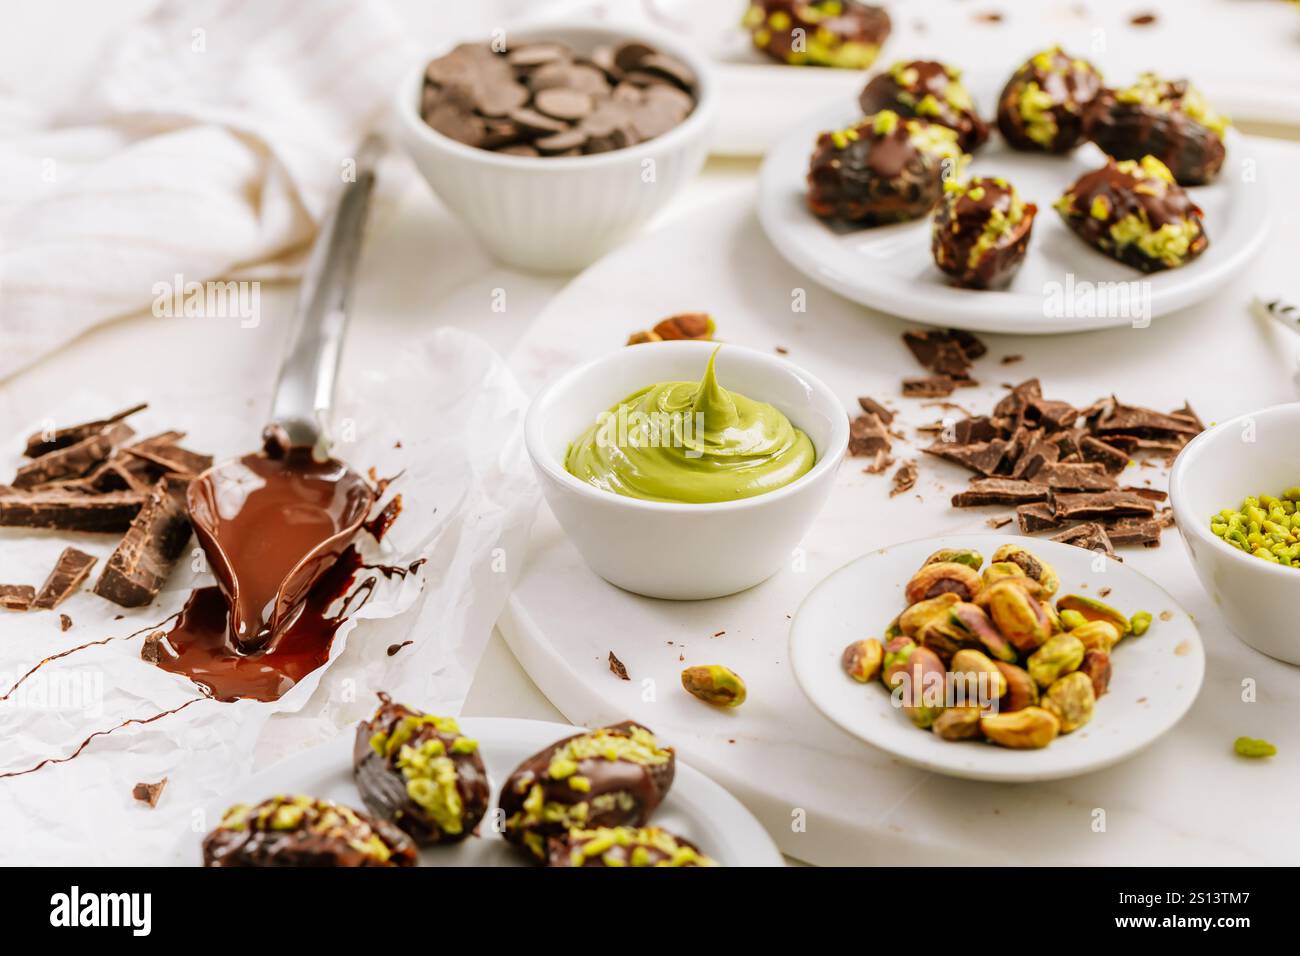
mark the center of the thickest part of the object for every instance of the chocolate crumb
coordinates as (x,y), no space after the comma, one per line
(149,793)
(996,523)
(65,622)
(719,633)
(1011,359)
(394,648)
(1103,592)
(991,17)
(151,650)
(1142,19)
(1166,615)
(782,350)
(904,478)
(616,667)
(16,597)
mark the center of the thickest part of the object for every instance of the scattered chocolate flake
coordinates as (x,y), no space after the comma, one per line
(1037,516)
(935,386)
(69,511)
(996,523)
(1075,476)
(1011,359)
(1108,456)
(719,633)
(1154,494)
(1103,593)
(149,793)
(41,444)
(1090,536)
(1105,504)
(868,435)
(782,350)
(616,667)
(991,17)
(65,622)
(873,407)
(904,479)
(949,355)
(16,597)
(1142,19)
(74,460)
(70,570)
(1166,615)
(394,648)
(138,568)
(1130,532)
(879,465)
(984,458)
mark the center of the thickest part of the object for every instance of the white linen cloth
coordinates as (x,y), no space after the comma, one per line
(206,144)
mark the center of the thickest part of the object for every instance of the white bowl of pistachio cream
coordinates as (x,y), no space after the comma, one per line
(686,470)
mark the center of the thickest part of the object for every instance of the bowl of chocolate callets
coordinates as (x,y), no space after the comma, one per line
(555,144)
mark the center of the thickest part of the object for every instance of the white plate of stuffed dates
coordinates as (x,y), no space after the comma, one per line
(994,209)
(410,788)
(995,657)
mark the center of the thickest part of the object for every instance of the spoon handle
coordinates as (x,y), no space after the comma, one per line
(305,390)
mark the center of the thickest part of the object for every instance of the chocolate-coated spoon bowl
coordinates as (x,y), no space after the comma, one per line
(271,524)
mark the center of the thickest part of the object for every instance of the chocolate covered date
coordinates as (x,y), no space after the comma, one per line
(303,831)
(1167,119)
(623,846)
(609,777)
(930,91)
(884,169)
(842,33)
(981,231)
(420,773)
(1134,212)
(1041,108)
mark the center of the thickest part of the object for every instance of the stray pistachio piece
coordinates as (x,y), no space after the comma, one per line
(861,660)
(1266,527)
(1094,610)
(1029,729)
(1253,747)
(1072,619)
(714,684)
(1058,656)
(1140,623)
(1096,635)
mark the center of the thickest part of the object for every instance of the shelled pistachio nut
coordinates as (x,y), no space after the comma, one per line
(1093,610)
(714,684)
(1057,657)
(957,723)
(971,668)
(1097,635)
(919,616)
(999,570)
(897,652)
(972,559)
(1029,729)
(1017,612)
(861,660)
(1071,699)
(1035,568)
(1022,692)
(943,577)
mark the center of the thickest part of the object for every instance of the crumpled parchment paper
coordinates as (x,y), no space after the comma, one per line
(446,419)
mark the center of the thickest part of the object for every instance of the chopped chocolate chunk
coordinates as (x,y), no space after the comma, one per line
(151,649)
(1053,415)
(999,491)
(904,479)
(394,648)
(1067,443)
(42,444)
(74,460)
(1014,403)
(1130,531)
(1075,476)
(1034,458)
(1105,504)
(1037,516)
(1154,494)
(616,667)
(868,435)
(172,458)
(65,622)
(137,570)
(945,353)
(1090,536)
(16,597)
(981,457)
(72,568)
(1108,456)
(1144,422)
(873,407)
(935,386)
(69,510)
(149,793)
(1011,359)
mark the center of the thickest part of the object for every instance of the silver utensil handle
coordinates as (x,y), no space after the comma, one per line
(305,390)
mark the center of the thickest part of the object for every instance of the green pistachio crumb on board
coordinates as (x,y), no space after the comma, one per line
(1253,747)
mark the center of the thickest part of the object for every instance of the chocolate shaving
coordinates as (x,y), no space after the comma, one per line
(65,622)
(936,386)
(1037,516)
(616,667)
(873,407)
(74,460)
(16,597)
(69,510)
(1106,504)
(1075,476)
(999,491)
(1132,532)
(982,457)
(70,570)
(1089,536)
(137,570)
(149,793)
(904,479)
(40,444)
(1113,459)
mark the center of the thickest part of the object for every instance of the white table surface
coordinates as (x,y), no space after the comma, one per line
(418,270)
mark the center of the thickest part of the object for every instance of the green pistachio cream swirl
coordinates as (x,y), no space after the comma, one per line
(692,442)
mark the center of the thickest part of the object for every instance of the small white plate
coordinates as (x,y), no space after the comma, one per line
(1155,677)
(890,268)
(696,808)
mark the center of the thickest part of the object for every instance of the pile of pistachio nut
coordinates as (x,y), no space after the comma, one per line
(982,652)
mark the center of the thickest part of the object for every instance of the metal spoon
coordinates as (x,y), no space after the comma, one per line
(272,522)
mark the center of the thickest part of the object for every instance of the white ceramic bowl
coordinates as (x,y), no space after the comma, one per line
(1248,456)
(684,551)
(564,213)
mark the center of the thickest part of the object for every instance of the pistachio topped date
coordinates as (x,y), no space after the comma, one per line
(623,846)
(1167,119)
(886,168)
(1042,107)
(303,831)
(981,232)
(609,777)
(931,91)
(837,33)
(420,773)
(1134,212)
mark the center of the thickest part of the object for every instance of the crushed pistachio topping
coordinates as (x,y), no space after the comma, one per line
(431,783)
(884,122)
(929,106)
(1170,243)
(1035,107)
(638,746)
(903,74)
(320,817)
(1148,168)
(633,846)
(1151,90)
(842,137)
(753,17)
(1100,208)
(1253,747)
(999,223)
(1047,61)
(388,744)
(940,142)
(779,21)
(1264,526)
